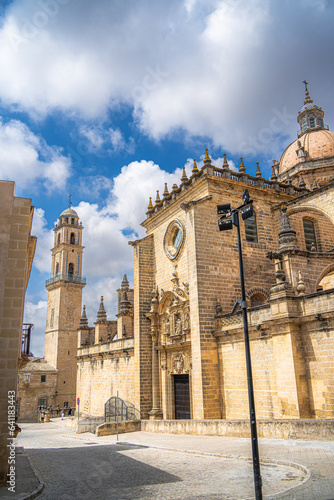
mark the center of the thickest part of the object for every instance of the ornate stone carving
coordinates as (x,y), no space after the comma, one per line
(287,236)
(178,363)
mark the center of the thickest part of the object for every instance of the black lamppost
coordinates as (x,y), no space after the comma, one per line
(231,217)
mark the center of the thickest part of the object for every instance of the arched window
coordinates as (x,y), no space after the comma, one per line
(72,221)
(257,300)
(309,232)
(71,269)
(58,239)
(312,122)
(72,239)
(250,229)
(57,267)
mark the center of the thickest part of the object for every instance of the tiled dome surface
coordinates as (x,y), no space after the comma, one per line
(317,144)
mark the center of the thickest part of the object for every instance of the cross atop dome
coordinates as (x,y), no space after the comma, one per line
(311,116)
(307,94)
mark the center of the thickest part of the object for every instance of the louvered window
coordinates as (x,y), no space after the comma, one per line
(250,229)
(309,233)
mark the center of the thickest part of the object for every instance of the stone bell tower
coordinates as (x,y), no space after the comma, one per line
(64,304)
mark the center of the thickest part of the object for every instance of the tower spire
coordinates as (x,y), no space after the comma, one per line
(307,94)
(101,313)
(311,116)
(70,200)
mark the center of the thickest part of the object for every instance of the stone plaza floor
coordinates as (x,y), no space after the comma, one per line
(53,462)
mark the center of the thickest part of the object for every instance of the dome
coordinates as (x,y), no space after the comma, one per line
(312,145)
(69,212)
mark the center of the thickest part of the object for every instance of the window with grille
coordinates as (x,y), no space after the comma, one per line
(309,233)
(250,229)
(43,378)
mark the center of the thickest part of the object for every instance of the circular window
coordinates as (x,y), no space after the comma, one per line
(174,238)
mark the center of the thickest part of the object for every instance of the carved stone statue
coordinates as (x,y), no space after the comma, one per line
(178,326)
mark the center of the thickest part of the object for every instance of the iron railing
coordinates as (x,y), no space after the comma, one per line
(26,334)
(116,407)
(74,278)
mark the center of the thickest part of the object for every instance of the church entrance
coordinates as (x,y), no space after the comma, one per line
(182,397)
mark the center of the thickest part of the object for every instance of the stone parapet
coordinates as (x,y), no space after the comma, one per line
(313,430)
(210,171)
(113,347)
(109,428)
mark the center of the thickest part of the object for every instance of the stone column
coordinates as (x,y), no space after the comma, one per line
(164,391)
(155,413)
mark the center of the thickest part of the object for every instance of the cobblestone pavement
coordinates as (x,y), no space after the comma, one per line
(163,466)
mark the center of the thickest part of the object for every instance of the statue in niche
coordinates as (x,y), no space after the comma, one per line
(167,327)
(178,325)
(186,321)
(175,301)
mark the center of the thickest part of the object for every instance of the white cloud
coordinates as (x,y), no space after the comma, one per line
(218,69)
(109,138)
(94,136)
(134,185)
(26,158)
(42,259)
(106,248)
(106,287)
(36,314)
(93,186)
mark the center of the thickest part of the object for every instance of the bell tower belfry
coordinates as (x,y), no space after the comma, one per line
(64,304)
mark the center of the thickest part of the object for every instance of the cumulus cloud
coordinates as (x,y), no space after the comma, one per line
(221,69)
(36,314)
(27,158)
(42,260)
(94,186)
(110,138)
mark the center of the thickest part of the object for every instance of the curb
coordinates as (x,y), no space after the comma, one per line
(39,488)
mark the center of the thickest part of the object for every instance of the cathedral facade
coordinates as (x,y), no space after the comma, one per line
(177,348)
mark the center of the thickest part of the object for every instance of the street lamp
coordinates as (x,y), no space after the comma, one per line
(231,217)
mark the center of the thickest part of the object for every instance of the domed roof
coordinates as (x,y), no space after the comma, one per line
(316,144)
(69,212)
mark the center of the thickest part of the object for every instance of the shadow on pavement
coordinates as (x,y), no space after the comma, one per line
(95,472)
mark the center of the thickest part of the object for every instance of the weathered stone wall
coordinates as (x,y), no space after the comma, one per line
(102,370)
(318,430)
(144,272)
(16,250)
(64,298)
(108,429)
(292,353)
(29,394)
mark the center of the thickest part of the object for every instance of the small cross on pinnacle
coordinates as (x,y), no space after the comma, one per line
(69,200)
(306,84)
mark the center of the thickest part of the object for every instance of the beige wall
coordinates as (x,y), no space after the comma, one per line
(292,356)
(102,370)
(16,250)
(30,392)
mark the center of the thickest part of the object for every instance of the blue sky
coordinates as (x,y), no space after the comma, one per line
(110,99)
